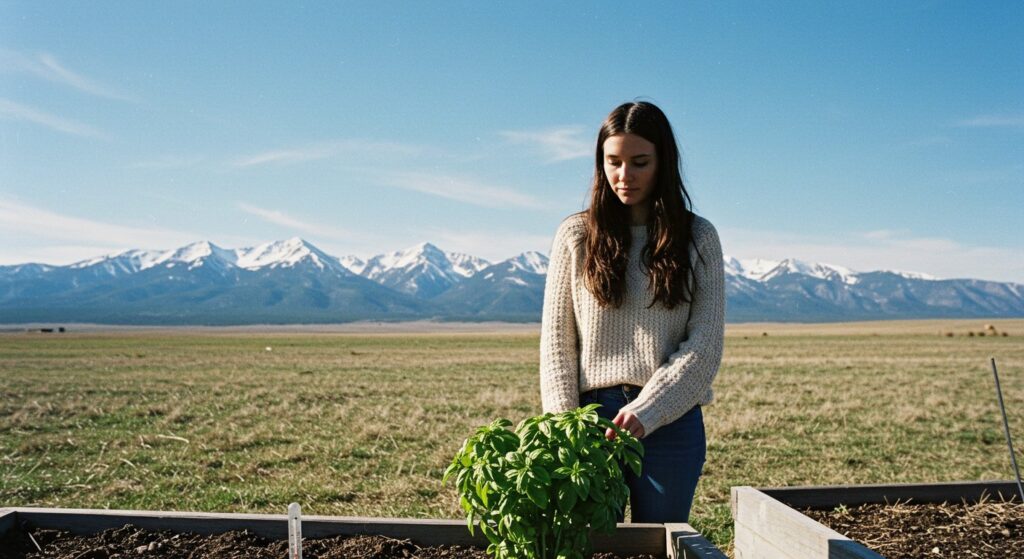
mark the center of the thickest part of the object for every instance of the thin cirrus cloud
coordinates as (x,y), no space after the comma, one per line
(462,190)
(557,144)
(494,246)
(993,121)
(46,66)
(326,150)
(16,111)
(25,224)
(278,217)
(168,162)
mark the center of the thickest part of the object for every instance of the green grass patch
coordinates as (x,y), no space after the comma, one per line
(365,425)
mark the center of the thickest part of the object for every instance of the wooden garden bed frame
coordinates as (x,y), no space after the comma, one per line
(768,524)
(674,541)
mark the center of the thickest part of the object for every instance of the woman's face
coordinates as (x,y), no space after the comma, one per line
(630,165)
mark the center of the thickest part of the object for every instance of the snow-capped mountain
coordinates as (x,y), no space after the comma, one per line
(765,270)
(286,254)
(531,261)
(354,264)
(512,289)
(293,281)
(423,270)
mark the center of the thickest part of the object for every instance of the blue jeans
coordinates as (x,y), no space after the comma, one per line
(673,460)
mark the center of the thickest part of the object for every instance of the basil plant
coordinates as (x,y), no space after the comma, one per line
(539,490)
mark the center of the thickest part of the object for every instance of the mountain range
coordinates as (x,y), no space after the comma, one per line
(292,281)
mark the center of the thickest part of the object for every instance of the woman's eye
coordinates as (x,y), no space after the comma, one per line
(641,165)
(614,163)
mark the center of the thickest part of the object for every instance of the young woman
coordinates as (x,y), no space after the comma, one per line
(634,309)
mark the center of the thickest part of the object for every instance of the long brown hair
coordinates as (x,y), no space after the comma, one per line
(666,256)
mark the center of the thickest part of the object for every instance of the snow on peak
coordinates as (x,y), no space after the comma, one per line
(753,268)
(530,261)
(410,257)
(816,269)
(466,265)
(196,254)
(913,275)
(354,264)
(287,253)
(764,270)
(423,259)
(125,261)
(425,256)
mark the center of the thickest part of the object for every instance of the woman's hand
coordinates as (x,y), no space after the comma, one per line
(628,422)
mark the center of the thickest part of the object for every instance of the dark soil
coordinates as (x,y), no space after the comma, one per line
(905,530)
(130,542)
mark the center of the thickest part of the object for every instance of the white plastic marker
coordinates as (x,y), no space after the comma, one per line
(294,531)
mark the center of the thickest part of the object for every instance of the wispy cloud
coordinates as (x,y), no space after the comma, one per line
(993,121)
(46,66)
(16,111)
(926,142)
(168,162)
(326,150)
(26,224)
(885,249)
(557,144)
(278,217)
(493,245)
(462,190)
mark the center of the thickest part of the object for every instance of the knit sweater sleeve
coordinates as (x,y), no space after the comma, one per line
(685,377)
(559,345)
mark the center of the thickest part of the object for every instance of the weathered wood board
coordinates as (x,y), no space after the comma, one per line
(683,542)
(827,497)
(675,541)
(768,526)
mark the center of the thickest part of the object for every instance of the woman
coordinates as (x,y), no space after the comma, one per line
(634,309)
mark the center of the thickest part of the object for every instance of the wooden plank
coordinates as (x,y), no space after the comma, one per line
(632,539)
(828,497)
(272,526)
(748,544)
(791,535)
(6,520)
(629,539)
(683,542)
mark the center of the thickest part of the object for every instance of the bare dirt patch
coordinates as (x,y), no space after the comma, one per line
(903,530)
(133,542)
(130,541)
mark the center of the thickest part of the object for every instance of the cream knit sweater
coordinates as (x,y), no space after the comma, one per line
(584,346)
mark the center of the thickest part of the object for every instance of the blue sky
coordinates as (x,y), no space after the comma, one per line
(874,135)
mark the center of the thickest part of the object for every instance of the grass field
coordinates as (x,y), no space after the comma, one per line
(350,424)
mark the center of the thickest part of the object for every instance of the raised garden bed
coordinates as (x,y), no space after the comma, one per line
(672,541)
(769,522)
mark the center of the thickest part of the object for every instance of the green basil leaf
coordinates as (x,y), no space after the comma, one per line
(538,495)
(541,475)
(633,461)
(566,497)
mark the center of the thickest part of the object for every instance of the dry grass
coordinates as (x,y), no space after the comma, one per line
(363,425)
